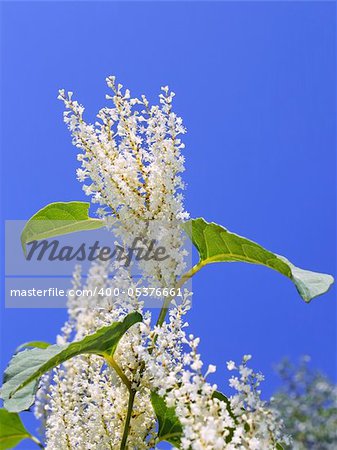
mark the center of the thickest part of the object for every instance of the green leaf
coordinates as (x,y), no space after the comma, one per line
(12,430)
(216,244)
(57,219)
(169,426)
(279,446)
(35,344)
(25,368)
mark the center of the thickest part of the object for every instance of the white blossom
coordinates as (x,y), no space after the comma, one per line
(131,162)
(131,159)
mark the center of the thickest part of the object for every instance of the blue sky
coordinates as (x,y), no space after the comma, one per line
(255,84)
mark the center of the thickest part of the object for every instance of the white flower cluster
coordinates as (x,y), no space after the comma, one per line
(258,426)
(86,403)
(132,157)
(308,404)
(209,419)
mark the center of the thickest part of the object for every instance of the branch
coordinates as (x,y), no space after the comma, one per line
(128,419)
(112,363)
(179,284)
(37,442)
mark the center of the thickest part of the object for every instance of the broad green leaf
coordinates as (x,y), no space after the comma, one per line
(169,426)
(216,244)
(279,446)
(25,368)
(34,344)
(12,430)
(57,219)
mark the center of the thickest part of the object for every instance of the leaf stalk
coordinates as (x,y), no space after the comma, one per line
(128,419)
(180,283)
(113,364)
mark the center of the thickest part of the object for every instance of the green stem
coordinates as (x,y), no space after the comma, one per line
(182,280)
(127,420)
(37,442)
(112,363)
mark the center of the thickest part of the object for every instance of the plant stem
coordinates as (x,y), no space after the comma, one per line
(37,442)
(112,363)
(181,281)
(128,419)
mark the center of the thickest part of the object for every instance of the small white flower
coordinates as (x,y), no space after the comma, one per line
(211,369)
(231,365)
(246,358)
